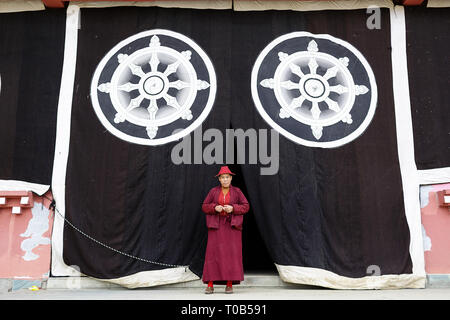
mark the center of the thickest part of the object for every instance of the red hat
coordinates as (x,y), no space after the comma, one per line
(224,170)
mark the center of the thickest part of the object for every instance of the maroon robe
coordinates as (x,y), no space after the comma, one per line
(223,260)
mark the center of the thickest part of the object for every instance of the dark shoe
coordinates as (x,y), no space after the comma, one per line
(209,290)
(229,289)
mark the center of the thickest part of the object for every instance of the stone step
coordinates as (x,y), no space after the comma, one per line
(250,280)
(438,281)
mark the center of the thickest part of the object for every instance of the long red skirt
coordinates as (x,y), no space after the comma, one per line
(223,260)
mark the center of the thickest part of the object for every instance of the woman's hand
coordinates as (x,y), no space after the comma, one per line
(228,208)
(218,208)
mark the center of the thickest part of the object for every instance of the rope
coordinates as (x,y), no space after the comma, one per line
(53,206)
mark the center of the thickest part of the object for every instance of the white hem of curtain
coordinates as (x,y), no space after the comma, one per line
(58,267)
(154,278)
(438,3)
(328,279)
(20,6)
(246,5)
(16,185)
(434,176)
(192,4)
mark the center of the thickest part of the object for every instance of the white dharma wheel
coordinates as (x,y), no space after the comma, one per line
(316,90)
(153,88)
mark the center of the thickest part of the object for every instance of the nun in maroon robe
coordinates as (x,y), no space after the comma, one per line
(224,206)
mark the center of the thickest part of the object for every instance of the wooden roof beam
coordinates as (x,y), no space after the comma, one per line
(412,2)
(53,3)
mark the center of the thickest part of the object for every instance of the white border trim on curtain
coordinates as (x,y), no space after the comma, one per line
(17,185)
(438,3)
(154,278)
(191,4)
(434,176)
(312,5)
(405,140)
(328,279)
(8,6)
(58,267)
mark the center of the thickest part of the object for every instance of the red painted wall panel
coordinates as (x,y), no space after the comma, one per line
(25,241)
(436,229)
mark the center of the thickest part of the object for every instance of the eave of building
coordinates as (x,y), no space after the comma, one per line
(62,3)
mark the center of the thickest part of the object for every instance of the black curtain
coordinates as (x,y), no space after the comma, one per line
(428,44)
(336,209)
(31,57)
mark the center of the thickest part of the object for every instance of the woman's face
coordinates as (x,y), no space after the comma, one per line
(225,180)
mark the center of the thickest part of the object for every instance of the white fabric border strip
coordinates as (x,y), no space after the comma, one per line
(58,267)
(246,5)
(324,278)
(434,176)
(154,278)
(405,140)
(191,4)
(7,6)
(16,185)
(438,3)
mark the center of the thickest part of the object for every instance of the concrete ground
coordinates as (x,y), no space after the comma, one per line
(244,293)
(245,302)
(258,297)
(254,287)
